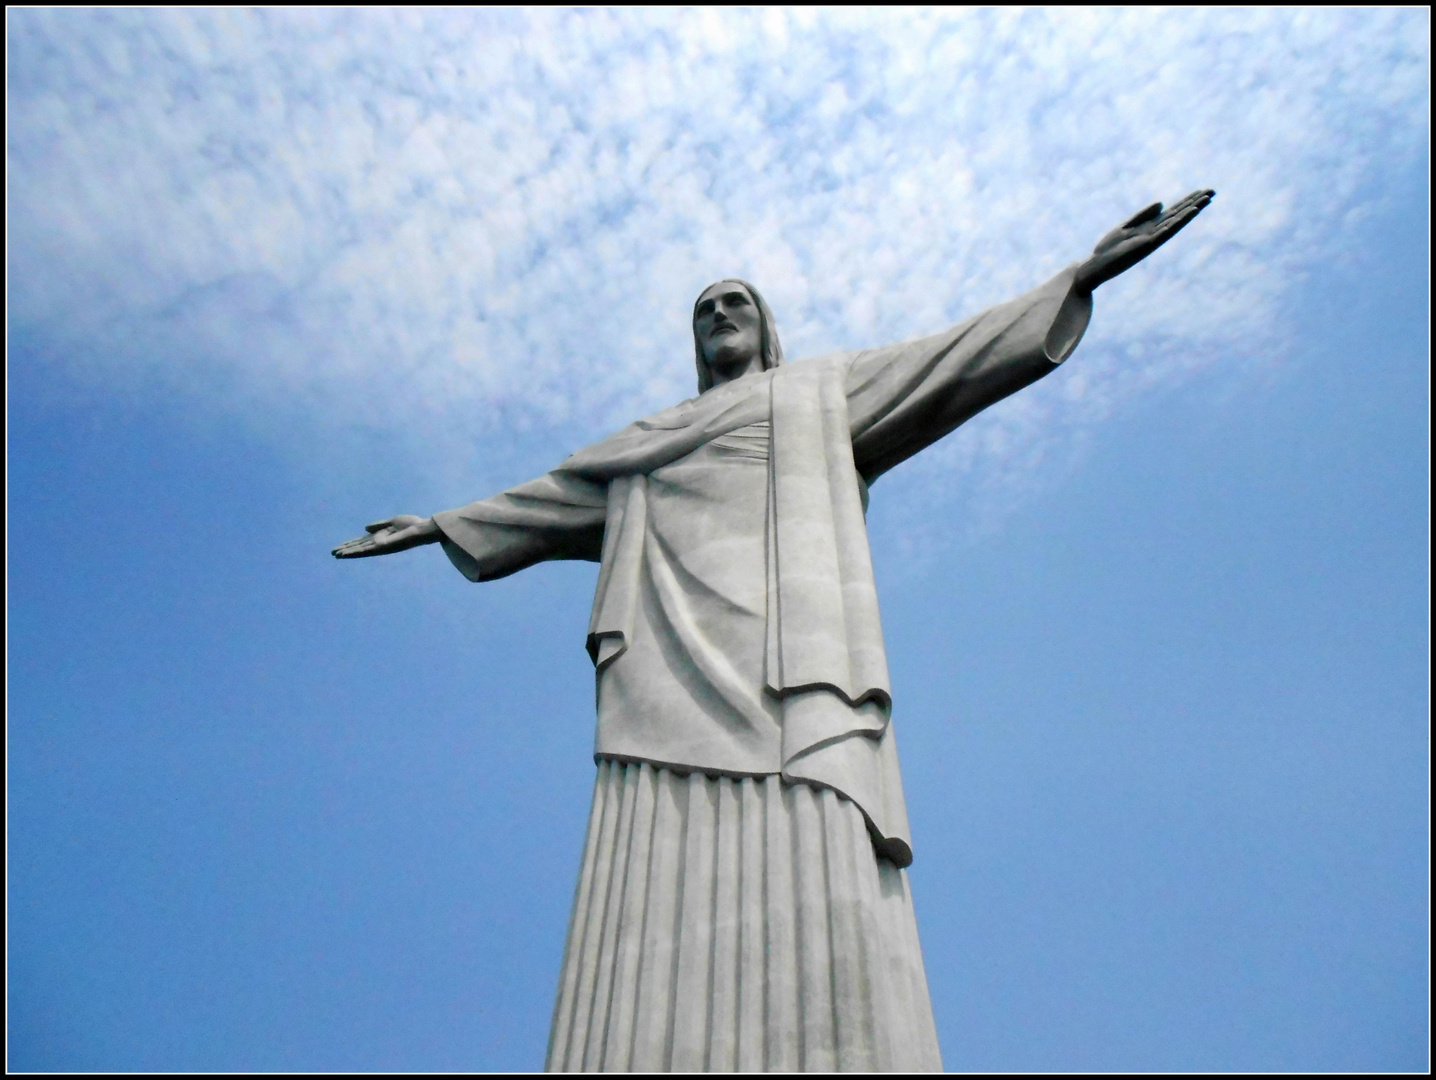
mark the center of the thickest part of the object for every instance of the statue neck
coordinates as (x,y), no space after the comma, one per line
(729,372)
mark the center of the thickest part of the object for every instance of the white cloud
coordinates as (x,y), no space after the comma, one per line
(452,226)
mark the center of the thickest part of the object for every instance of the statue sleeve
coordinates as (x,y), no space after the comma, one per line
(557,516)
(903,398)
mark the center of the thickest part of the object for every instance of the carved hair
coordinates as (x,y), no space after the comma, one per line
(769,347)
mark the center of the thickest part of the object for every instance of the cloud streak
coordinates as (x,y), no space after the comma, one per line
(457,227)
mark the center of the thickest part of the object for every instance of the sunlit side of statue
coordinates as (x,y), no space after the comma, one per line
(743,901)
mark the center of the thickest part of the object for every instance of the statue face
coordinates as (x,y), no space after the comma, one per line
(729,329)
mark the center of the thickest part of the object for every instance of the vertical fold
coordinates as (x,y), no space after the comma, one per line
(783,1052)
(867,664)
(815,969)
(918,1051)
(825,630)
(852,984)
(628,946)
(692,991)
(752,947)
(811,632)
(887,1039)
(772,660)
(897,966)
(569,973)
(587,923)
(653,1020)
(608,915)
(610,625)
(723,1022)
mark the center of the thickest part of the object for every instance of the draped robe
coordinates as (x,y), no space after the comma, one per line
(735,626)
(730,912)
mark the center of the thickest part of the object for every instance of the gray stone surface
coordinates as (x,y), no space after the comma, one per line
(735,627)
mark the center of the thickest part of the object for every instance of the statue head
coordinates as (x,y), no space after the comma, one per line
(732,329)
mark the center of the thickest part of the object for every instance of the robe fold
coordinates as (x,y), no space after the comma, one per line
(735,628)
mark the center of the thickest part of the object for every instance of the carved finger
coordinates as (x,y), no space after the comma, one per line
(1174,221)
(1179,222)
(1195,201)
(377,526)
(1180,205)
(1141,217)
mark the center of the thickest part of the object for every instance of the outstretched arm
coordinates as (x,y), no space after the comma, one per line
(558,516)
(904,397)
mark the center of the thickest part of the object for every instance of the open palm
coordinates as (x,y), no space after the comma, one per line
(396,534)
(1137,237)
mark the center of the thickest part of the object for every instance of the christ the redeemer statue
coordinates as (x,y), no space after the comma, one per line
(743,902)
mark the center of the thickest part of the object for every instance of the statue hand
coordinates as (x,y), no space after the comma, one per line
(397,534)
(1139,236)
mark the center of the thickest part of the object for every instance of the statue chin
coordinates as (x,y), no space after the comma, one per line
(730,363)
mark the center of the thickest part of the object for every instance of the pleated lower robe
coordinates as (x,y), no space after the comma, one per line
(737,924)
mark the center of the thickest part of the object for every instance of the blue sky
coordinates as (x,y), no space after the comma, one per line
(1158,625)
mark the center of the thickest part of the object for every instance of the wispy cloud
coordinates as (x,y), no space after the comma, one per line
(465,224)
